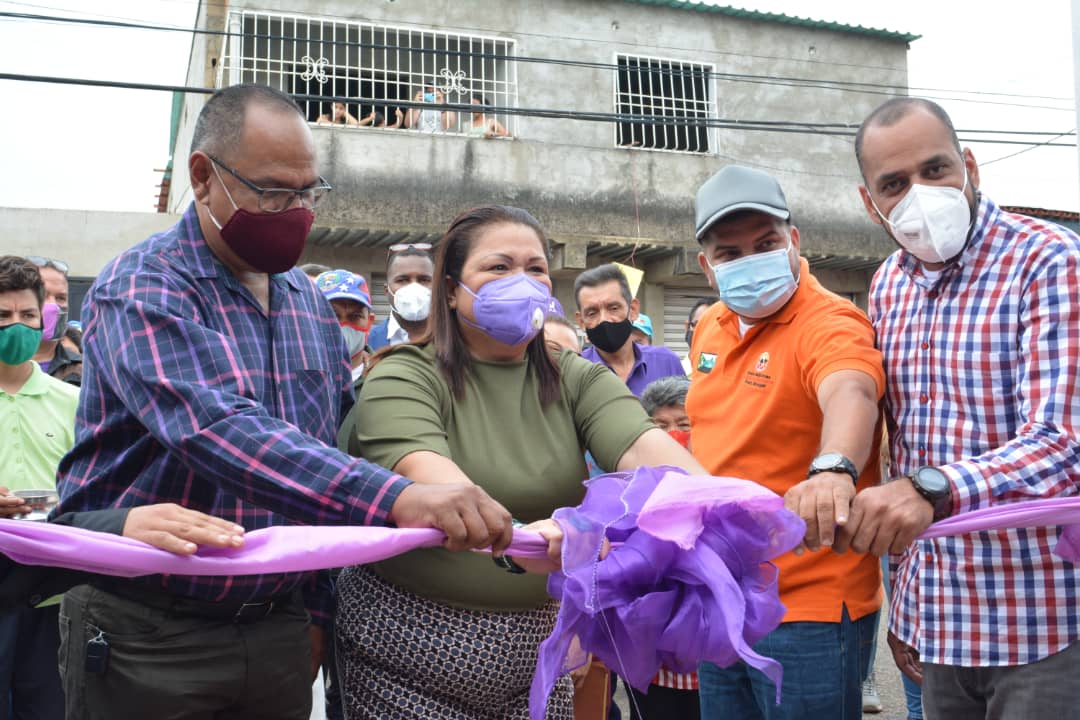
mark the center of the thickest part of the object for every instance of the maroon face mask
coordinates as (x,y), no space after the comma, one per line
(270,243)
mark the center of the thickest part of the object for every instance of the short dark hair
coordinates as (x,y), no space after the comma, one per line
(18,273)
(601,275)
(665,392)
(893,111)
(407,252)
(314,269)
(220,125)
(698,303)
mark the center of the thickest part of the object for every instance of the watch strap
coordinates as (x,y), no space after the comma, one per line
(843,465)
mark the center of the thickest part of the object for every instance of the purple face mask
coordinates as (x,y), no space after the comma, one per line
(510,310)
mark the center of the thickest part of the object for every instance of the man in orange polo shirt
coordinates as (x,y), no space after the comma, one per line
(785,390)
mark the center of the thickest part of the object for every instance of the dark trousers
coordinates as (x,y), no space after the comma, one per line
(663,703)
(29,680)
(174,666)
(1044,689)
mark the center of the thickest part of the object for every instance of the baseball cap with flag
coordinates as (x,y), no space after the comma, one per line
(344,285)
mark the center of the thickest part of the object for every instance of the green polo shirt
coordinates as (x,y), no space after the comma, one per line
(527,456)
(37,427)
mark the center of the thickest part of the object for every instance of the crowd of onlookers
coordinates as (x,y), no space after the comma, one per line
(223,389)
(481,122)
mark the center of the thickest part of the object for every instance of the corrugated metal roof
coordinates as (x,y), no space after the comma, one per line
(731,11)
(1042,212)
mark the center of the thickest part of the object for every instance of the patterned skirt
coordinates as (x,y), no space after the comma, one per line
(402,657)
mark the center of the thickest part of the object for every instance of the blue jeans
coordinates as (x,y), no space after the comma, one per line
(822,675)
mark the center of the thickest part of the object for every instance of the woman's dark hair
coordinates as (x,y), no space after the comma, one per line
(451,354)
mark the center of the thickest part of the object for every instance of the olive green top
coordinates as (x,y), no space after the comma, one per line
(528,457)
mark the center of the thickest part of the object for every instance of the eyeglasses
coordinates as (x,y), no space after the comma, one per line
(275,200)
(402,247)
(42,262)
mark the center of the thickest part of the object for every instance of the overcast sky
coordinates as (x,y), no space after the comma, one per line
(97,148)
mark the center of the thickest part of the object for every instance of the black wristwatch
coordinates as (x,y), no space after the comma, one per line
(933,485)
(833,462)
(507,563)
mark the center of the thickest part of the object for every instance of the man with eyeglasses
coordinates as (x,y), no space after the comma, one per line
(216,378)
(53,358)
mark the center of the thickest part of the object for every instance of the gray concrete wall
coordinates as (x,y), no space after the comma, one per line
(568,172)
(85,239)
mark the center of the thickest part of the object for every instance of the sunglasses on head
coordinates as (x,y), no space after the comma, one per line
(402,247)
(42,262)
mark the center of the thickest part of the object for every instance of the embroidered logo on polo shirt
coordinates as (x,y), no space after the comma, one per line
(758,377)
(706,362)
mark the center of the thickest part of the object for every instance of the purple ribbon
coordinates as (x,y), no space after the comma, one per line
(282,549)
(688,577)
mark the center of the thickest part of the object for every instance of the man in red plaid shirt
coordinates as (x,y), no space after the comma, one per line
(978,318)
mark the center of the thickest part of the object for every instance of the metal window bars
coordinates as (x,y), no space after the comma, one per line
(375,68)
(664,104)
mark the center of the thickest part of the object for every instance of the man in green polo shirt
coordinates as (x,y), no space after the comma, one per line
(37,424)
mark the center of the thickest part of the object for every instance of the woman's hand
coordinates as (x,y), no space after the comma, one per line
(550,531)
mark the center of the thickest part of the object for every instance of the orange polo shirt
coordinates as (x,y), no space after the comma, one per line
(754,414)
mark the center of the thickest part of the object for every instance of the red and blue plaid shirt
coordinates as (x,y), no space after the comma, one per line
(193,394)
(983,366)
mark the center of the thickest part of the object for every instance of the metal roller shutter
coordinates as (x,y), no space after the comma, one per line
(377,285)
(677,304)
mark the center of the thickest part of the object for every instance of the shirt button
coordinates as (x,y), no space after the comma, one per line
(933,294)
(923,398)
(922,452)
(925,346)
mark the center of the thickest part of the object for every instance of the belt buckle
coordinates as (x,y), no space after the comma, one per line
(253,612)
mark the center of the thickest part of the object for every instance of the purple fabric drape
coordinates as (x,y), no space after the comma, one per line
(291,548)
(687,578)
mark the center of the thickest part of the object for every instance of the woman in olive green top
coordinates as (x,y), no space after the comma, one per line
(434,634)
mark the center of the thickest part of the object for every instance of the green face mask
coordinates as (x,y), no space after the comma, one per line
(18,343)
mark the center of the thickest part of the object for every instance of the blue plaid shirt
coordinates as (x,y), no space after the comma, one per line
(193,394)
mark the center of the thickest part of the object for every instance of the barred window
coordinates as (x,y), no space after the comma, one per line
(376,68)
(663,104)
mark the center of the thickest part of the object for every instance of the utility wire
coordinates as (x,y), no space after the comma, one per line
(692,72)
(1028,149)
(625,118)
(564,37)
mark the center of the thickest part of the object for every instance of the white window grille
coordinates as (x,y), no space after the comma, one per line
(665,104)
(375,68)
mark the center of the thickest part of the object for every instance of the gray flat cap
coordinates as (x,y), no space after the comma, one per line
(738,188)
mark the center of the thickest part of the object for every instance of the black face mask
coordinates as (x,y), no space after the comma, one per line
(610,336)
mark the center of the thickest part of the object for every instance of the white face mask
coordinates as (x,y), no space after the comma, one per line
(413,302)
(932,221)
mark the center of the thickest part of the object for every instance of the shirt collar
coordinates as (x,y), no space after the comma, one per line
(393,327)
(197,256)
(36,384)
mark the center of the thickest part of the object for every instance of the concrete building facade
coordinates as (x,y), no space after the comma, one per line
(618,110)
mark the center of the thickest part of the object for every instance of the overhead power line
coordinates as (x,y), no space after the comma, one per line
(833,129)
(774,80)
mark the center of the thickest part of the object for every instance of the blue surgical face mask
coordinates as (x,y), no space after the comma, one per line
(758,285)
